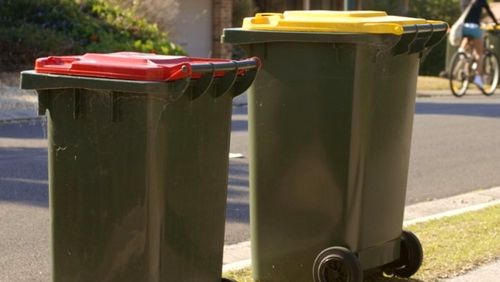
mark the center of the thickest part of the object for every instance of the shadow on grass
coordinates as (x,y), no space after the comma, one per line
(390,279)
(378,277)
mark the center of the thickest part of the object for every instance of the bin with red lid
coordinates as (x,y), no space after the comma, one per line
(138,163)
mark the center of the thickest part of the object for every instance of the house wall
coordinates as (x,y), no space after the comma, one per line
(192,28)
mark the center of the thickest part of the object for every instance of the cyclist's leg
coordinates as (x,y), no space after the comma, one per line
(478,46)
(464,44)
(474,35)
(473,31)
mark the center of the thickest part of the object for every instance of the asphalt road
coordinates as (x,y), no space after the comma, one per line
(456,148)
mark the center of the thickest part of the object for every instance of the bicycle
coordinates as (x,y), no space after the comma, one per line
(464,67)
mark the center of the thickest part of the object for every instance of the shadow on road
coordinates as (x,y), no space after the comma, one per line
(237,212)
(237,194)
(240,110)
(24,191)
(23,176)
(462,109)
(33,129)
(239,125)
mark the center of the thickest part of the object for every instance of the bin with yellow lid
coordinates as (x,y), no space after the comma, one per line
(330,122)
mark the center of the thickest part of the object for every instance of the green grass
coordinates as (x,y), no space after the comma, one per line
(452,246)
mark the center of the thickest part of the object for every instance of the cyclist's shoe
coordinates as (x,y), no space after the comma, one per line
(478,81)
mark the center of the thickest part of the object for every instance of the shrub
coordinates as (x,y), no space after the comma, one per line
(445,10)
(31,29)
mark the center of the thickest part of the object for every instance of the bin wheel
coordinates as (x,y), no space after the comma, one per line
(411,256)
(337,264)
(227,280)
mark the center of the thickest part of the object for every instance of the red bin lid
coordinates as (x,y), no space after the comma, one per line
(124,65)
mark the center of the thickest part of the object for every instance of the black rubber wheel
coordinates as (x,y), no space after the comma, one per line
(490,73)
(459,74)
(411,257)
(337,264)
(227,280)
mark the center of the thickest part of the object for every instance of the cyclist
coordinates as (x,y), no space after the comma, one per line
(472,34)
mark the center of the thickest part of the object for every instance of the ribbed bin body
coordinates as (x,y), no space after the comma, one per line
(138,174)
(330,124)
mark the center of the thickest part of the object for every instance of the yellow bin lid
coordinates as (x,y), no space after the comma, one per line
(375,22)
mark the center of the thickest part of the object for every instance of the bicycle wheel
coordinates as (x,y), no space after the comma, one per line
(490,73)
(459,74)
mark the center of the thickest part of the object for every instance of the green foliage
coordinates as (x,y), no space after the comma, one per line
(444,10)
(31,29)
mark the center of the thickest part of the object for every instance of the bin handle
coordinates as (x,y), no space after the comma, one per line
(225,83)
(204,83)
(243,83)
(245,64)
(437,36)
(238,76)
(418,38)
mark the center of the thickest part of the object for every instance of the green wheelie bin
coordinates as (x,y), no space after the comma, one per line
(330,123)
(138,162)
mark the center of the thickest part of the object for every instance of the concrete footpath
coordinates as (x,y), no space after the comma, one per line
(485,273)
(238,256)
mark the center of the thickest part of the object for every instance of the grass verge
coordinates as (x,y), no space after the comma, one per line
(452,246)
(432,83)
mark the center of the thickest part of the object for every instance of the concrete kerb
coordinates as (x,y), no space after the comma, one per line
(237,256)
